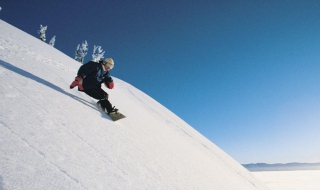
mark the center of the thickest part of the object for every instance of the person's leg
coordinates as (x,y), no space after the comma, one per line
(96,93)
(102,96)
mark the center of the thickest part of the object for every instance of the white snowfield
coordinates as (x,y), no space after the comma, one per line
(52,137)
(290,180)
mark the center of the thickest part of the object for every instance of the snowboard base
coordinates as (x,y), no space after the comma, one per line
(115,116)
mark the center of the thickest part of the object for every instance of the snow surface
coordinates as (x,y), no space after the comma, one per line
(52,137)
(290,180)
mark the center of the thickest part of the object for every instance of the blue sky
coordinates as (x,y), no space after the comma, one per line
(244,74)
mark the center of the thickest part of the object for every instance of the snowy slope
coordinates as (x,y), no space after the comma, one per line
(52,137)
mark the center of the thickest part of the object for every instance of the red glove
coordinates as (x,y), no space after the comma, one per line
(77,82)
(110,85)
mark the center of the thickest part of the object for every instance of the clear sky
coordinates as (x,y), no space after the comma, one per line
(245,74)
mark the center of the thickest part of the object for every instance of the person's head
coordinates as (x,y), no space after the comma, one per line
(108,64)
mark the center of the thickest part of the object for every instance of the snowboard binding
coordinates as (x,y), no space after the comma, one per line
(112,112)
(107,111)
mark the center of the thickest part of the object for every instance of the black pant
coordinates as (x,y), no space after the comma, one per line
(101,95)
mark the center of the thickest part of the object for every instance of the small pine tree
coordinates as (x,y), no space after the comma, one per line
(97,56)
(77,53)
(52,41)
(42,33)
(83,50)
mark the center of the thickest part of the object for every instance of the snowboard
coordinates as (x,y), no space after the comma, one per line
(115,116)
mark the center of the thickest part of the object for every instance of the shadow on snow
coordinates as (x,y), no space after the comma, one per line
(50,85)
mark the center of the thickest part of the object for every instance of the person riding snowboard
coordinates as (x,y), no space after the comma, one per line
(90,77)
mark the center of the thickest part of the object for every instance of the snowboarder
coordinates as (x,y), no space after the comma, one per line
(90,77)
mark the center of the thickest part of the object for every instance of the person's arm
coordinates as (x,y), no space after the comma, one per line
(108,81)
(86,69)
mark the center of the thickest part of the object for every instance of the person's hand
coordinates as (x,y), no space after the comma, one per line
(77,82)
(110,85)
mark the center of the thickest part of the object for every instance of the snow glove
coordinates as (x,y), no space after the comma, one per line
(110,85)
(77,82)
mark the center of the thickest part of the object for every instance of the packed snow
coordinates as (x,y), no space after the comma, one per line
(52,137)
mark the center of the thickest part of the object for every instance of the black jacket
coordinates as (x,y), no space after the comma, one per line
(93,75)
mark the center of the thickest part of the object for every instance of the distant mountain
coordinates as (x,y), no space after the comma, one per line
(282,167)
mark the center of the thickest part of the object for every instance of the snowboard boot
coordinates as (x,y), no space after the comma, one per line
(113,110)
(99,103)
(107,107)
